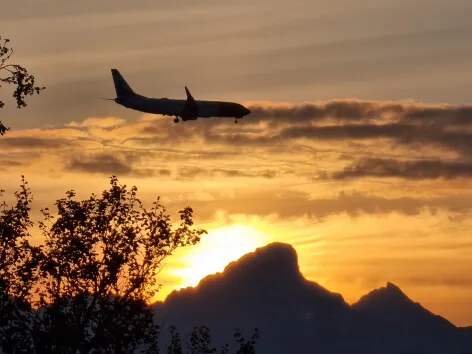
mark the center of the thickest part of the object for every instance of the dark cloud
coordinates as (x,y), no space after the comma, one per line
(192,172)
(419,169)
(124,163)
(337,110)
(399,134)
(291,204)
(448,115)
(34,143)
(352,131)
(119,163)
(237,173)
(164,172)
(410,126)
(363,111)
(242,139)
(10,163)
(101,163)
(341,110)
(404,124)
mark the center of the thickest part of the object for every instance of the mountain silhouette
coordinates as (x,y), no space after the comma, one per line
(265,289)
(391,305)
(394,320)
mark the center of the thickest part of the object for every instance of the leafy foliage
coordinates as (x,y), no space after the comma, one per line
(99,268)
(246,347)
(18,272)
(109,246)
(87,288)
(16,75)
(18,258)
(73,326)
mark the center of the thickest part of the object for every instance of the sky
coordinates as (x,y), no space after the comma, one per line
(357,150)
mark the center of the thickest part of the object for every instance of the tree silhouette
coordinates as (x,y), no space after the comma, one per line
(87,288)
(246,347)
(200,342)
(18,272)
(16,75)
(99,268)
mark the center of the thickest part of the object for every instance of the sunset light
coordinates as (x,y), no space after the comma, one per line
(332,139)
(220,247)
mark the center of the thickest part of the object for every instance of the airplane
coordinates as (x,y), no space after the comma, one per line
(189,109)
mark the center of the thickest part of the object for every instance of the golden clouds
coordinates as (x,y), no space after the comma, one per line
(281,174)
(312,142)
(105,122)
(319,144)
(353,184)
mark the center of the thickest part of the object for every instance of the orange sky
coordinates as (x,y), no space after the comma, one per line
(381,194)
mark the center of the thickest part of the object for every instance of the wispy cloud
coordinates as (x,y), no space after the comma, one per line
(420,169)
(376,139)
(349,111)
(107,122)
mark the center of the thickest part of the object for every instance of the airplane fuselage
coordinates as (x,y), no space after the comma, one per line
(189,109)
(175,107)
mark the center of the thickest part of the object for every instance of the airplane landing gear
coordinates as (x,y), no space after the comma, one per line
(236,120)
(176,119)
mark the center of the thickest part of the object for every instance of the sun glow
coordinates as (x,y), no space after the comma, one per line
(220,247)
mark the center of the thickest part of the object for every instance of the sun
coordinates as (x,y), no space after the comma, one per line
(220,247)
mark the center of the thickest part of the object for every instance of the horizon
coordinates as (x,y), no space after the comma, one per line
(355,153)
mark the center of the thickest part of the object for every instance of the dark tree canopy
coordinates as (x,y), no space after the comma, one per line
(18,273)
(109,245)
(87,288)
(100,259)
(18,259)
(16,75)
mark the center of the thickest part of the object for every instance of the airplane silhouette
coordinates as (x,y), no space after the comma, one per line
(189,109)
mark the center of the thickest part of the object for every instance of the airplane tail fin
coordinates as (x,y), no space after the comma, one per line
(121,86)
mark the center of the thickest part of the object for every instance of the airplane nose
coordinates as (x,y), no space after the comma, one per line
(246,111)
